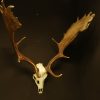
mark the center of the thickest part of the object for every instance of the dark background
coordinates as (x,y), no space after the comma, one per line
(42,20)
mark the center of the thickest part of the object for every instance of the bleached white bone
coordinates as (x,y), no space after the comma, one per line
(40,80)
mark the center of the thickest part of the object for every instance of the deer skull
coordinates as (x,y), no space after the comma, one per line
(42,76)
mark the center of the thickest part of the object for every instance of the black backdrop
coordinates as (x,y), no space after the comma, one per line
(42,20)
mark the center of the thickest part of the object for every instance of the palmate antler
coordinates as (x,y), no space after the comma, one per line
(13,24)
(69,36)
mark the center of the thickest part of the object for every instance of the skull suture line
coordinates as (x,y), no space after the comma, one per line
(12,24)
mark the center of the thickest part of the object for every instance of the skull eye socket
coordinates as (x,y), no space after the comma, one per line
(34,77)
(37,82)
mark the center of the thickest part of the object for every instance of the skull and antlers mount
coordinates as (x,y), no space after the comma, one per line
(40,72)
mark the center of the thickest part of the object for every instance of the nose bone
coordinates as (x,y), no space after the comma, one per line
(40,91)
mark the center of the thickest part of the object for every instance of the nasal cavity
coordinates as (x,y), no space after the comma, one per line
(40,91)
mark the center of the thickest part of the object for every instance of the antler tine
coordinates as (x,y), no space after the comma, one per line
(13,24)
(21,57)
(48,68)
(56,57)
(79,26)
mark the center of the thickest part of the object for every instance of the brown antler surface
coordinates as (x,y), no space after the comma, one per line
(79,26)
(12,25)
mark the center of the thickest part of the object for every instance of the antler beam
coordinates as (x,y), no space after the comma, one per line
(79,26)
(12,24)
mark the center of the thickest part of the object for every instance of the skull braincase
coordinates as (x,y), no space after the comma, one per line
(40,80)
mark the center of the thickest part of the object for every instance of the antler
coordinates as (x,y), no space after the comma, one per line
(69,36)
(12,25)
